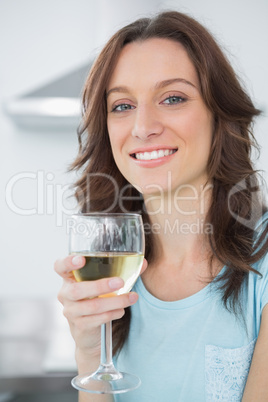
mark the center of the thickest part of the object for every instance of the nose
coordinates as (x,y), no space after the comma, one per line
(147,123)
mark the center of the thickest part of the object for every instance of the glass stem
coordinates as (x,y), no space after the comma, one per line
(106,345)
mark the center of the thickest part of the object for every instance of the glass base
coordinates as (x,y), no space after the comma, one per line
(104,382)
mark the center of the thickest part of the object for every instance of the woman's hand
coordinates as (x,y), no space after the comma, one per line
(85,311)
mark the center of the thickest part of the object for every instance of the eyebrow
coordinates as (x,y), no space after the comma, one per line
(159,85)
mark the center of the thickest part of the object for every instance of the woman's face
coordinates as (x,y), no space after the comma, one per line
(159,127)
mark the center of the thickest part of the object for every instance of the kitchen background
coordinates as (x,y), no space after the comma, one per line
(46,47)
(42,41)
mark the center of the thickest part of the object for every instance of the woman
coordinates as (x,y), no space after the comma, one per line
(167,132)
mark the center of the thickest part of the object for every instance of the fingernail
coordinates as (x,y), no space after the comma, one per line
(77,260)
(115,283)
(133,297)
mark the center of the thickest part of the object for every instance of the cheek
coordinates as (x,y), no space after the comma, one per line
(118,130)
(115,134)
(112,136)
(116,145)
(114,151)
(199,131)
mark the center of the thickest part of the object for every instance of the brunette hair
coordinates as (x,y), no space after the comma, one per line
(233,214)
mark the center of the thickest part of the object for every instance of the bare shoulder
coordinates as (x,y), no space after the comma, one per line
(264,319)
(257,384)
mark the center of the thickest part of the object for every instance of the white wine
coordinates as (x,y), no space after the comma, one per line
(104,265)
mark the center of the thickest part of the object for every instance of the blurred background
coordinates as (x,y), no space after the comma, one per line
(46,48)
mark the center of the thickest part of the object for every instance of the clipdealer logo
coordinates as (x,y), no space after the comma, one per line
(257,199)
(47,197)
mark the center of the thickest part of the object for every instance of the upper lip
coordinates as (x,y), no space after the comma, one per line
(151,149)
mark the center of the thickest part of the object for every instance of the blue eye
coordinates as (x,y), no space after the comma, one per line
(122,107)
(173,100)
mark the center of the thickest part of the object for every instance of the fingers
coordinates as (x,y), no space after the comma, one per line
(85,326)
(95,321)
(75,291)
(65,266)
(144,266)
(101,306)
(88,314)
(83,307)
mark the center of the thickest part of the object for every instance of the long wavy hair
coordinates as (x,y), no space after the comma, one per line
(235,207)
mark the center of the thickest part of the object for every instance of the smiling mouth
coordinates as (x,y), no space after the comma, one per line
(148,156)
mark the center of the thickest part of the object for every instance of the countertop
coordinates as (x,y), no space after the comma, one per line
(36,349)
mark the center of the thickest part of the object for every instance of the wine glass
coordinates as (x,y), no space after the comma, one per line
(113,245)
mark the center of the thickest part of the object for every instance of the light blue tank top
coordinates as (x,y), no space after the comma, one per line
(193,350)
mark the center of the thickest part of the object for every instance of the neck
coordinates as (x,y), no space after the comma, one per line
(178,222)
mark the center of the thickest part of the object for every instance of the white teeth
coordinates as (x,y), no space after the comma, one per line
(147,156)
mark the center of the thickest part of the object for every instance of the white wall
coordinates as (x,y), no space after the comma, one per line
(40,40)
